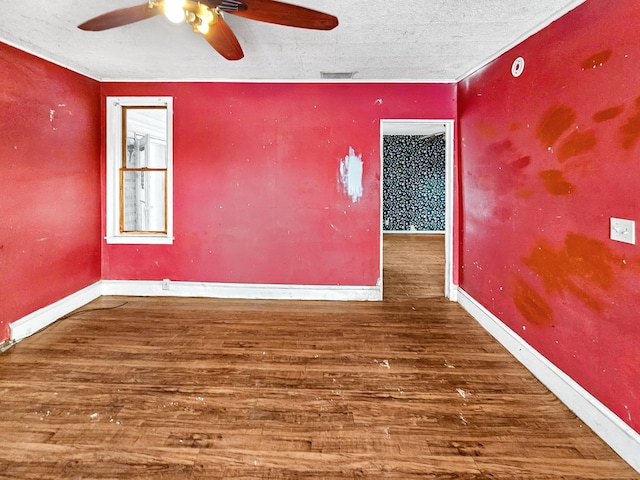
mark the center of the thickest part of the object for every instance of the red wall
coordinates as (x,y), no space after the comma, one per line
(546,159)
(49,184)
(257,197)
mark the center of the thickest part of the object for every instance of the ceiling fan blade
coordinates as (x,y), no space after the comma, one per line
(272,11)
(118,18)
(222,38)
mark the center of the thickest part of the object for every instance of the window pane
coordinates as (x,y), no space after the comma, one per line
(146,137)
(139,177)
(143,201)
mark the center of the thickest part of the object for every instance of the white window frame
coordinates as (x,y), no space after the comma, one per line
(114,162)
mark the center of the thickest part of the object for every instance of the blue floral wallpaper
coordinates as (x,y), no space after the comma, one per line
(413,183)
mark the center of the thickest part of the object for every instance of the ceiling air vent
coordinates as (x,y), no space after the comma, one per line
(336,75)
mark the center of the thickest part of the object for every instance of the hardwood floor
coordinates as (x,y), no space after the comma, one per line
(411,387)
(413,266)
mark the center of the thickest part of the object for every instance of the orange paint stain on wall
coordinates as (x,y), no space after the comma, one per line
(580,266)
(576,144)
(555,183)
(524,193)
(591,259)
(607,114)
(597,59)
(533,307)
(630,131)
(487,130)
(554,123)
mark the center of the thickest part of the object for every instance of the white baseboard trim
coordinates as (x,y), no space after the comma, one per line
(452,292)
(30,324)
(36,321)
(140,288)
(616,433)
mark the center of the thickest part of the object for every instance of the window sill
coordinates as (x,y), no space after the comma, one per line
(139,240)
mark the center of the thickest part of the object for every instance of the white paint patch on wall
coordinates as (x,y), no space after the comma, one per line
(52,113)
(351,175)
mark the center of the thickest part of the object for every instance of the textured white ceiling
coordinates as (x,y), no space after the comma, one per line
(401,40)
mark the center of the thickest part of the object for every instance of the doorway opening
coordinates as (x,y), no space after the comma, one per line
(421,200)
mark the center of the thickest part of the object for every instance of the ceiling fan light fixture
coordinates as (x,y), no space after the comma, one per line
(174,10)
(206,17)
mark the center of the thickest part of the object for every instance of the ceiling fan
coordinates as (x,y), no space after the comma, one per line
(206,18)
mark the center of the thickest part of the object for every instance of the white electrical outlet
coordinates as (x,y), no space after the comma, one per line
(166,284)
(623,230)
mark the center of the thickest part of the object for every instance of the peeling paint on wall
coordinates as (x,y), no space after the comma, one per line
(52,113)
(351,175)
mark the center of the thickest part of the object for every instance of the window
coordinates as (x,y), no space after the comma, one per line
(139,170)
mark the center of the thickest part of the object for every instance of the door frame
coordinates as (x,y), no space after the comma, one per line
(426,127)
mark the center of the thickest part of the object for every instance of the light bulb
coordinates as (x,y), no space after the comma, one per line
(174,10)
(203,27)
(206,15)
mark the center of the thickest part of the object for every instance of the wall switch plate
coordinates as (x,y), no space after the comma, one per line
(623,230)
(166,284)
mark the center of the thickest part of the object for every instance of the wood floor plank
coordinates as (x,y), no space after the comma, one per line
(180,388)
